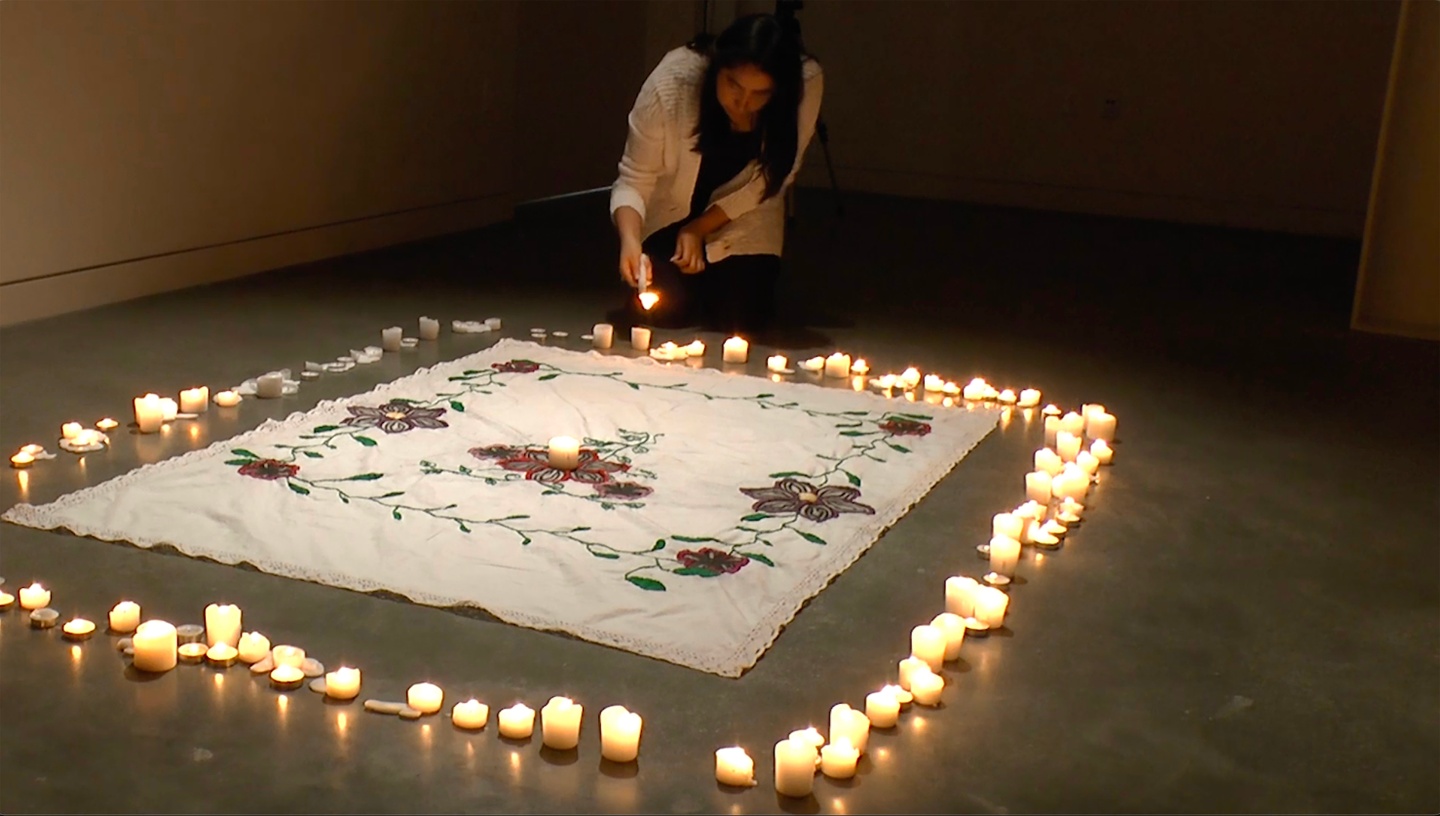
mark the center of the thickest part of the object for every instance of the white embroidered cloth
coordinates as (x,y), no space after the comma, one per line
(705,509)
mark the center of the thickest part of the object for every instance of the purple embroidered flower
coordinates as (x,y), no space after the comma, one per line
(517,367)
(269,469)
(535,464)
(496,452)
(709,562)
(905,427)
(814,503)
(624,491)
(395,417)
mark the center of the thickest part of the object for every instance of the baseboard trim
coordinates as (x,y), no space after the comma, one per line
(102,285)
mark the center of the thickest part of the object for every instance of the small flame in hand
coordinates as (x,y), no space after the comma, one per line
(648,300)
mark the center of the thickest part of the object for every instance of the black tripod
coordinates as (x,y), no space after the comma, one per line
(785,10)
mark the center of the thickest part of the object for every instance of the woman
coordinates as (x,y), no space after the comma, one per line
(716,136)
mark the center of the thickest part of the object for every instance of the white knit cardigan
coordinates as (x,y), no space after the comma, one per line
(660,165)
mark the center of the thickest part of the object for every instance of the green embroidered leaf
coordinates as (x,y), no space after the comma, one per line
(238,461)
(692,539)
(649,584)
(366,441)
(700,571)
(635,386)
(856,433)
(552,375)
(784,473)
(515,518)
(578,529)
(245,453)
(392,494)
(472,371)
(854,480)
(763,396)
(313,454)
(363,477)
(855,413)
(660,543)
(324,428)
(456,406)
(603,554)
(396,513)
(464,529)
(754,517)
(915,416)
(344,500)
(811,537)
(464,470)
(297,488)
(456,379)
(900,448)
(758,557)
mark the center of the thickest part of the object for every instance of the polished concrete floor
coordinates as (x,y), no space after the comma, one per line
(1248,621)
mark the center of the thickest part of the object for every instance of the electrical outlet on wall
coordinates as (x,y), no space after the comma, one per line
(1110,109)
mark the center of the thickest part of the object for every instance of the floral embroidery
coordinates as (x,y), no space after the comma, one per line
(395,417)
(496,452)
(517,367)
(709,562)
(268,469)
(623,490)
(905,427)
(535,464)
(810,501)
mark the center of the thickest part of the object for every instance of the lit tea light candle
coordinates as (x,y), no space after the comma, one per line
(286,678)
(124,617)
(696,348)
(886,383)
(778,364)
(814,364)
(960,595)
(78,629)
(22,460)
(860,367)
(837,365)
(195,400)
(910,665)
(952,390)
(343,683)
(928,643)
(6,601)
(149,413)
(221,655)
(1055,528)
(517,721)
(1004,555)
(425,698)
(470,714)
(926,686)
(155,646)
(990,606)
(560,723)
(910,377)
(1007,397)
(882,708)
(736,350)
(667,352)
(837,760)
(795,767)
(975,389)
(1102,452)
(849,724)
(34,597)
(639,338)
(227,399)
(192,652)
(934,383)
(619,734)
(602,336)
(954,628)
(1029,398)
(734,766)
(285,655)
(254,647)
(222,624)
(564,453)
(429,328)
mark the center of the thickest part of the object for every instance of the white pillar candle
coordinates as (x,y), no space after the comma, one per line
(1073,423)
(1004,555)
(1031,510)
(602,336)
(926,686)
(1067,445)
(471,714)
(124,617)
(195,400)
(910,377)
(343,683)
(928,644)
(1100,425)
(1048,461)
(882,709)
(696,348)
(1029,398)
(794,767)
(154,644)
(860,367)
(778,364)
(837,365)
(390,338)
(560,723)
(227,399)
(1007,524)
(837,760)
(70,430)
(619,734)
(815,364)
(1088,461)
(254,647)
(517,721)
(849,724)
(934,383)
(910,665)
(810,735)
(169,408)
(960,595)
(149,413)
(222,624)
(564,453)
(990,605)
(270,385)
(736,350)
(1053,427)
(1037,486)
(429,328)
(734,766)
(34,597)
(1103,453)
(425,698)
(954,628)
(286,655)
(639,338)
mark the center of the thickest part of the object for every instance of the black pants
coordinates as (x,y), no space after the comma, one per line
(734,295)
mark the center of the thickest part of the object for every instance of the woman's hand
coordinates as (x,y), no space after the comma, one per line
(689,250)
(630,255)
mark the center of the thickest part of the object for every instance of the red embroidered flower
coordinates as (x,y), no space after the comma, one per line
(535,464)
(709,562)
(905,427)
(269,469)
(517,367)
(623,490)
(812,502)
(395,417)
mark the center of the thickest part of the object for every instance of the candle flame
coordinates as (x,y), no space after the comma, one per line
(648,300)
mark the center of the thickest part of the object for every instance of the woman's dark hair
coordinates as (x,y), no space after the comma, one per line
(773,45)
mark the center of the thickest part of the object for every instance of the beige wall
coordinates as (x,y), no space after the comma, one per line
(146,146)
(1254,114)
(1399,286)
